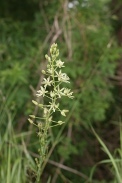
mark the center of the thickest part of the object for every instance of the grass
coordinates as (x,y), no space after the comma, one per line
(17,163)
(14,157)
(114,160)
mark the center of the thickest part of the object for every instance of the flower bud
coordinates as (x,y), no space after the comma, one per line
(60,122)
(30,120)
(34,102)
(43,72)
(32,116)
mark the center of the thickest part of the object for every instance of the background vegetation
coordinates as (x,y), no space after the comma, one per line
(89,36)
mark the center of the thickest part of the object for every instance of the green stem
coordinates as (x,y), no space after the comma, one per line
(43,149)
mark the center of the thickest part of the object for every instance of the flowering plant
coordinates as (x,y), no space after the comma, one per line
(52,90)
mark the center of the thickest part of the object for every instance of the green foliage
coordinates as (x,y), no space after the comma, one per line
(17,50)
(15,160)
(114,160)
(89,50)
(66,152)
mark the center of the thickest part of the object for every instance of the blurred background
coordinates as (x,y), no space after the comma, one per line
(89,37)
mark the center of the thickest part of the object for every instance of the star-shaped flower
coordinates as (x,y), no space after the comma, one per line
(50,70)
(47,82)
(68,93)
(62,77)
(53,106)
(59,63)
(59,92)
(41,92)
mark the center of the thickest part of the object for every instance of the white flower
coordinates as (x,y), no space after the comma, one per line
(52,94)
(50,70)
(59,92)
(53,106)
(65,78)
(68,93)
(59,63)
(63,112)
(47,82)
(41,92)
(62,77)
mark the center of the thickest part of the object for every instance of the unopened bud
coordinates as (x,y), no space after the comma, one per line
(32,116)
(48,58)
(43,72)
(60,122)
(34,102)
(30,120)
